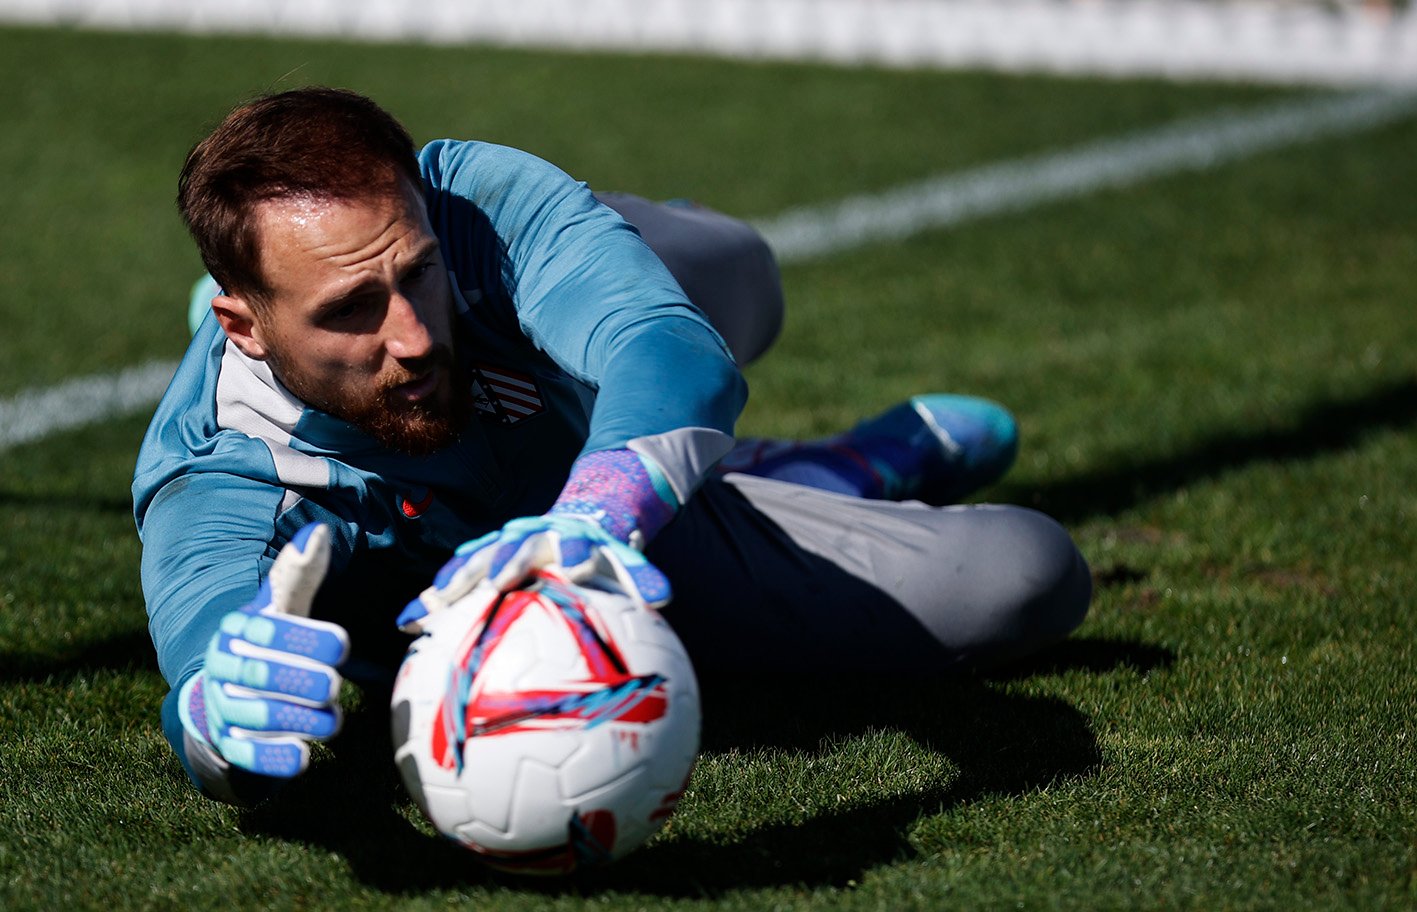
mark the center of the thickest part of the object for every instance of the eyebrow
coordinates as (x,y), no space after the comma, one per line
(421,256)
(364,286)
(339,299)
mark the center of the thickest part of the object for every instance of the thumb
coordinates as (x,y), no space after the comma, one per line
(299,570)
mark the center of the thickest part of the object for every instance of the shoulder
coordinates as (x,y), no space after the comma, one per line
(502,213)
(222,419)
(480,170)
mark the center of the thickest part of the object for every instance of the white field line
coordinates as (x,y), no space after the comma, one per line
(813,231)
(1190,145)
(35,414)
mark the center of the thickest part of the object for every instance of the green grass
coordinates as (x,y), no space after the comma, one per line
(1216,376)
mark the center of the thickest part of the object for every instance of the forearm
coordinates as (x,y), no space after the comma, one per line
(660,373)
(670,394)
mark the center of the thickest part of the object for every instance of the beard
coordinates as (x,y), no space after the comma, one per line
(413,428)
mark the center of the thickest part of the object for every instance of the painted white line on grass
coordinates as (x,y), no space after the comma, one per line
(813,231)
(35,414)
(1191,145)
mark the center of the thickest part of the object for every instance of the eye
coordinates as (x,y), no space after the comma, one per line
(346,311)
(418,272)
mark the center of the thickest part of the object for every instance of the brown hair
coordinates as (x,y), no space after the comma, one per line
(328,143)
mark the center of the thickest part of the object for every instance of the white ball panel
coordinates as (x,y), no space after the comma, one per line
(520,789)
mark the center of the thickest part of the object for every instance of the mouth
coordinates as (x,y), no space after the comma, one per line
(418,389)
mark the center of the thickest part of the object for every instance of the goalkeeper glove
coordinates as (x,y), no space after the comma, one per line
(614,502)
(268,685)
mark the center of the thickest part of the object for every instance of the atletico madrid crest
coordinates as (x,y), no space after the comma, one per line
(505,396)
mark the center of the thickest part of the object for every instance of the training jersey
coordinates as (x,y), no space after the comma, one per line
(576,339)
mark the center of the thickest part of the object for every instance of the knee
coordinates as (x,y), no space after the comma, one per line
(1032,589)
(724,265)
(1056,583)
(730,273)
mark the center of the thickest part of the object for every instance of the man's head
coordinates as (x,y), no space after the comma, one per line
(307,208)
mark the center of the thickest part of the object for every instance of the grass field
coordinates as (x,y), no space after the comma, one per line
(1216,378)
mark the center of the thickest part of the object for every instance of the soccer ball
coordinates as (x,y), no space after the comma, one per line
(548,729)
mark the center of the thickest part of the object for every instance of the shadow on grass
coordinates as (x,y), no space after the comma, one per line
(349,804)
(1089,654)
(1001,744)
(132,651)
(1323,427)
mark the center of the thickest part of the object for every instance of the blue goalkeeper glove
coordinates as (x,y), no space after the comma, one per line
(613,503)
(268,685)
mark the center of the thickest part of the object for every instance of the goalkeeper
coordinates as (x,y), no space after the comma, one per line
(414,370)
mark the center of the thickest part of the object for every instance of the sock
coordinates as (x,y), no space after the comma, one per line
(835,464)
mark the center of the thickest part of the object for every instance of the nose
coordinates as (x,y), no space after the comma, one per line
(407,335)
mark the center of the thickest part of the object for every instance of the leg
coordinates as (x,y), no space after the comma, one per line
(771,576)
(723,265)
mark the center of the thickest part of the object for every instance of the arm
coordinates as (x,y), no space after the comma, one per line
(590,293)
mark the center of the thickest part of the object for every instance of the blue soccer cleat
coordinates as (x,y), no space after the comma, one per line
(937,448)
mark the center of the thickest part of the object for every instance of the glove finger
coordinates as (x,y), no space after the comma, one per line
(471,610)
(509,552)
(581,539)
(462,555)
(576,550)
(515,560)
(282,758)
(412,614)
(477,544)
(317,640)
(448,571)
(652,585)
(633,574)
(465,569)
(299,570)
(235,661)
(234,709)
(455,580)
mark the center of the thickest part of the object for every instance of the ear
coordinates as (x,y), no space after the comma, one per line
(238,320)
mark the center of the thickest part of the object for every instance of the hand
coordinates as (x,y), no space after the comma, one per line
(575,545)
(268,686)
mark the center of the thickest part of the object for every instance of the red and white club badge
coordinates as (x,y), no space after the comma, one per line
(506,396)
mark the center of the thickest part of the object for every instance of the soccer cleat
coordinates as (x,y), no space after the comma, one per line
(938,448)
